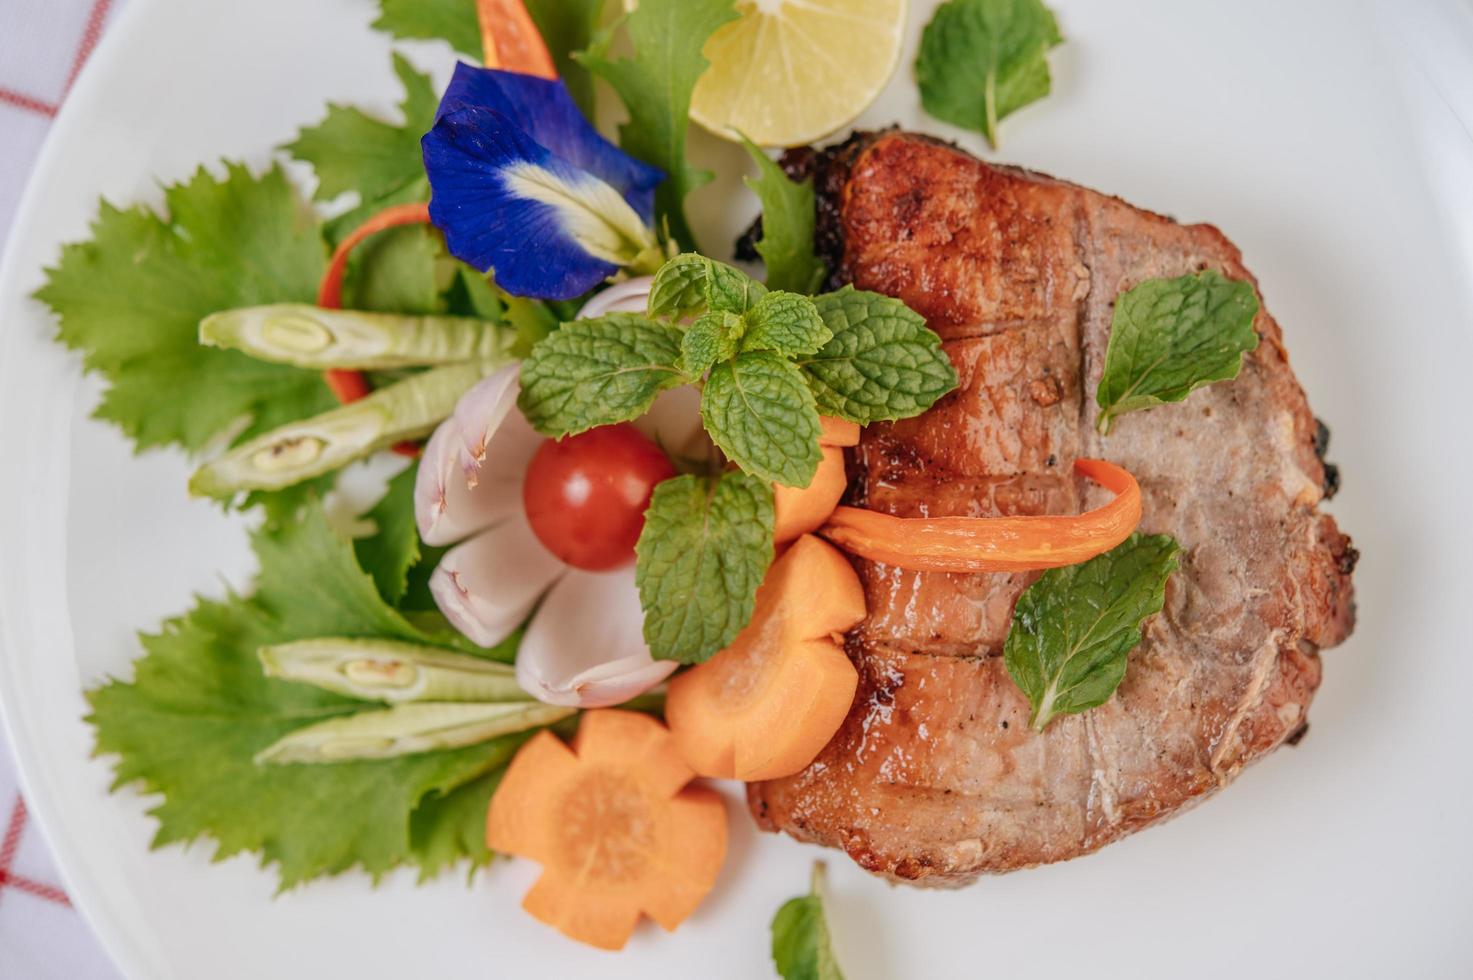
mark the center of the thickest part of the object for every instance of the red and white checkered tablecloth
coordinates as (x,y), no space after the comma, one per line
(43,45)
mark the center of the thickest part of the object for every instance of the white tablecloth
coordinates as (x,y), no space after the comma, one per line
(43,44)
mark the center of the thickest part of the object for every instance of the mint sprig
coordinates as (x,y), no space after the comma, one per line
(769,362)
(705,548)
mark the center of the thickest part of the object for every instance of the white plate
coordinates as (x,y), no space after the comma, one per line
(1284,123)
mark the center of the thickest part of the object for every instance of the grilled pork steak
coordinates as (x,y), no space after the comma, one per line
(936,777)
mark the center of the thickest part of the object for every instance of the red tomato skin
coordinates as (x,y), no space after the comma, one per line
(585,495)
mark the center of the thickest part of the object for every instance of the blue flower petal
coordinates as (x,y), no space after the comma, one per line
(544,111)
(507,204)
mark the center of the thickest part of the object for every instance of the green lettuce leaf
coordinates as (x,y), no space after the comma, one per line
(453,21)
(130,300)
(705,548)
(352,151)
(1072,629)
(199,708)
(393,548)
(1169,337)
(655,85)
(981,60)
(788,216)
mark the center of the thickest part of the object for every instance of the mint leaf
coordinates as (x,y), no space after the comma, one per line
(801,946)
(453,21)
(655,85)
(981,60)
(711,338)
(788,216)
(882,362)
(759,411)
(679,287)
(1072,628)
(691,283)
(1169,337)
(352,151)
(199,708)
(705,548)
(132,297)
(786,323)
(393,549)
(599,371)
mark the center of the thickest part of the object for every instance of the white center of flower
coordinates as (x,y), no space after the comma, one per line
(592,212)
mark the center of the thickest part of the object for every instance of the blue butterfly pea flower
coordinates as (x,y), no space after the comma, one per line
(524,187)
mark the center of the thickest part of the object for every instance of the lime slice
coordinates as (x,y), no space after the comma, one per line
(788,72)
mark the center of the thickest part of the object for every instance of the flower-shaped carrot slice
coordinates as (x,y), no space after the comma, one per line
(764,707)
(615,827)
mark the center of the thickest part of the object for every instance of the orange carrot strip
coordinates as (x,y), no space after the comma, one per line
(616,829)
(509,39)
(349,386)
(330,290)
(993,544)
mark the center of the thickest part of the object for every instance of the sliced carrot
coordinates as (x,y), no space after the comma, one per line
(510,41)
(767,705)
(615,827)
(838,432)
(993,544)
(798,510)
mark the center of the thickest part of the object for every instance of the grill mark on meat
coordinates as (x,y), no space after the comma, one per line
(936,776)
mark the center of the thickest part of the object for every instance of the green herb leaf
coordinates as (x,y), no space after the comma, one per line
(393,549)
(882,362)
(691,283)
(401,270)
(1169,337)
(801,946)
(712,337)
(787,323)
(788,215)
(759,411)
(352,151)
(568,26)
(599,371)
(981,60)
(433,20)
(656,85)
(199,709)
(131,300)
(705,548)
(1072,628)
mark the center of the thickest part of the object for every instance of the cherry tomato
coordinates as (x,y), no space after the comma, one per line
(585,495)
